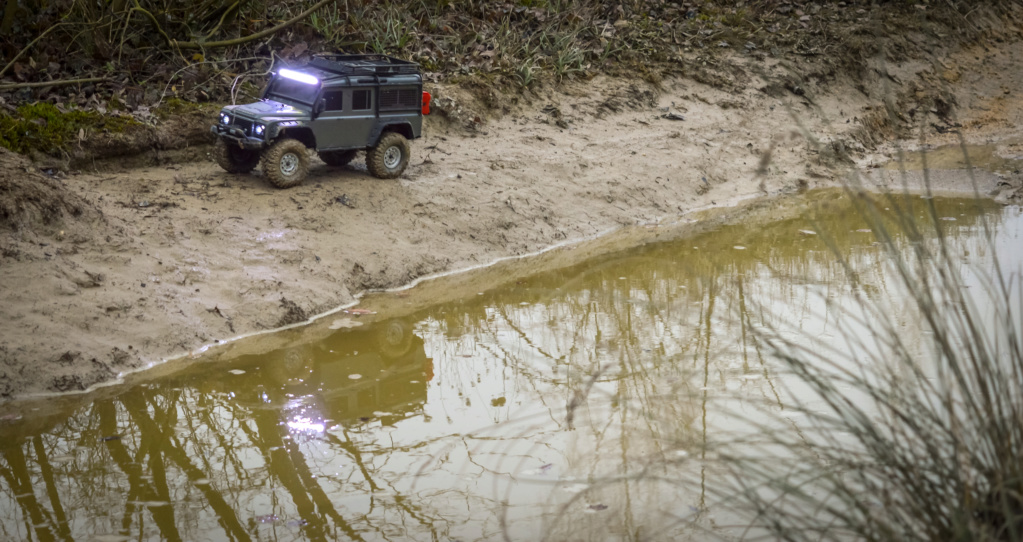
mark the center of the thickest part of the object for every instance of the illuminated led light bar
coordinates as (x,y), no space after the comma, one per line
(299,76)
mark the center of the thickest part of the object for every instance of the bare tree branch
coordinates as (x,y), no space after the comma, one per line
(57,83)
(246,39)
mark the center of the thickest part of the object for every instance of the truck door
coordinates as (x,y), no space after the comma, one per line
(346,120)
(329,126)
(361,117)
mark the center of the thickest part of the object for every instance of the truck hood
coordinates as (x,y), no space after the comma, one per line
(267,110)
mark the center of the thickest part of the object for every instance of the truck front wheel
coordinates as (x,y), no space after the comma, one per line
(234,159)
(286,163)
(389,157)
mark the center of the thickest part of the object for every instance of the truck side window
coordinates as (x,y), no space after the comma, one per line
(360,100)
(335,100)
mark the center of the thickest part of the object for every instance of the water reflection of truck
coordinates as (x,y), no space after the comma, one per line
(353,376)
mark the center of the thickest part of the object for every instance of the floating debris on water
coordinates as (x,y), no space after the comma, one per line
(344,323)
(236,372)
(150,504)
(739,247)
(539,471)
(354,376)
(807,232)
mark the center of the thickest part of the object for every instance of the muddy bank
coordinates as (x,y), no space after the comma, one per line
(160,261)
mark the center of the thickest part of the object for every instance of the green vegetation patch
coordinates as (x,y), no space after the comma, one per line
(44,128)
(176,107)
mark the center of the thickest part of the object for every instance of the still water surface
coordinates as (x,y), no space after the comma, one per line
(573,404)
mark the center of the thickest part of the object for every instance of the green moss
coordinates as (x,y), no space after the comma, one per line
(176,107)
(44,128)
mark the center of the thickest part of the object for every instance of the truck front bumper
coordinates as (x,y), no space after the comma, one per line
(233,135)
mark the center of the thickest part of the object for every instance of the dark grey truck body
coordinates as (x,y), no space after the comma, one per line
(336,105)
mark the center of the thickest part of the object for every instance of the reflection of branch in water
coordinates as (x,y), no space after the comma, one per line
(353,452)
(279,463)
(20,482)
(746,322)
(316,492)
(711,297)
(51,488)
(524,336)
(579,396)
(163,515)
(165,442)
(205,405)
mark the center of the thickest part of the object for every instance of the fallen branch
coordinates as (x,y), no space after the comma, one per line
(58,83)
(246,39)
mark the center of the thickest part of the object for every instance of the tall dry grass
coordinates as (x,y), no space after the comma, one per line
(896,440)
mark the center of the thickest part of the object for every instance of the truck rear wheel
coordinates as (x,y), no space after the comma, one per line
(389,157)
(286,163)
(234,159)
(337,158)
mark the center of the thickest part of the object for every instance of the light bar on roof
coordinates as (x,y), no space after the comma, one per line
(299,76)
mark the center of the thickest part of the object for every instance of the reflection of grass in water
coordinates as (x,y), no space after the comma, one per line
(633,356)
(895,444)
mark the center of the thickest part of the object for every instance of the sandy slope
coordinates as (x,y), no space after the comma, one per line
(185,255)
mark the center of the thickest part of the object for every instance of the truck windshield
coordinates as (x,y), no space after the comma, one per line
(292,90)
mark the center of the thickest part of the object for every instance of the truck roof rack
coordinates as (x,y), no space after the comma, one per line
(345,64)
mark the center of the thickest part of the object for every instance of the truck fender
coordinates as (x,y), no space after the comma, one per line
(301,133)
(403,128)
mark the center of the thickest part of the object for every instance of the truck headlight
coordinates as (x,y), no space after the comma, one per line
(225,118)
(259,129)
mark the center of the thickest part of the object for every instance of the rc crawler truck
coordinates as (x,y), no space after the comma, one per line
(336,105)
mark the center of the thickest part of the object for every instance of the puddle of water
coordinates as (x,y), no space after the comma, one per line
(956,157)
(570,404)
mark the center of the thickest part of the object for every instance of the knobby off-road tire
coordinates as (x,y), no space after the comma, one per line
(337,158)
(389,157)
(234,159)
(286,163)
(394,338)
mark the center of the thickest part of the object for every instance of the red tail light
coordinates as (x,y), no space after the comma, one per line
(426,103)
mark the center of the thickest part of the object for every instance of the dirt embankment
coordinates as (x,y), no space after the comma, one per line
(135,265)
